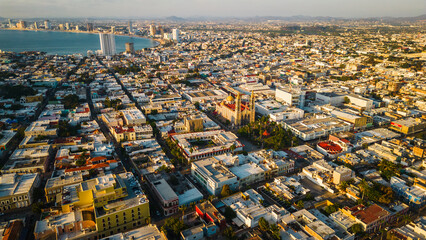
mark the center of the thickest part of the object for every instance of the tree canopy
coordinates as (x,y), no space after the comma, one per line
(270,134)
(70,101)
(16,91)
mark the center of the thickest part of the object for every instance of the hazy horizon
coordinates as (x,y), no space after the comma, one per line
(209,8)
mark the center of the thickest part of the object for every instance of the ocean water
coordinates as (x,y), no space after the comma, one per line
(62,43)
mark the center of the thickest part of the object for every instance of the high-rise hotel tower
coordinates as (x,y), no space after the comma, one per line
(107,44)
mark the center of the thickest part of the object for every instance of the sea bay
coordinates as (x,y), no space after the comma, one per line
(62,43)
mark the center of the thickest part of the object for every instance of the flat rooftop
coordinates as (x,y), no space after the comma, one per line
(214,170)
(150,232)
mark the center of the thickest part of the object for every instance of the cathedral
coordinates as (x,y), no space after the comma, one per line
(238,116)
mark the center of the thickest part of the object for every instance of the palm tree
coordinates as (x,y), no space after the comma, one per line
(406,218)
(363,186)
(183,208)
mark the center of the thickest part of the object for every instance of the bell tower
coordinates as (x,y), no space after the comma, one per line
(238,110)
(252,107)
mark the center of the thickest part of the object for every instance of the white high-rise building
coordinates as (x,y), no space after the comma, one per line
(152,30)
(107,44)
(175,33)
(47,24)
(67,26)
(130,27)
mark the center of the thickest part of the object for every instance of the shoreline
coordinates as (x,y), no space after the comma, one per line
(156,41)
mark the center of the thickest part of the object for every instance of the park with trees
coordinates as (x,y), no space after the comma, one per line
(269,134)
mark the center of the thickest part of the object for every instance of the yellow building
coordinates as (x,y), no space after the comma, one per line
(408,126)
(54,185)
(356,120)
(116,205)
(237,116)
(194,124)
(123,133)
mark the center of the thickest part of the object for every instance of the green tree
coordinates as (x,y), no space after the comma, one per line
(275,230)
(183,208)
(229,234)
(300,204)
(331,209)
(37,207)
(70,101)
(357,228)
(229,213)
(343,185)
(197,105)
(347,100)
(263,224)
(363,187)
(232,148)
(174,180)
(172,227)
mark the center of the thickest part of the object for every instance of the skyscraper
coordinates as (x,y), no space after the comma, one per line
(89,27)
(67,26)
(107,44)
(47,24)
(21,25)
(130,47)
(112,29)
(161,30)
(175,33)
(10,23)
(152,30)
(35,26)
(130,26)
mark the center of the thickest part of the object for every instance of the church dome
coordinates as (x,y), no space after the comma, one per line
(229,98)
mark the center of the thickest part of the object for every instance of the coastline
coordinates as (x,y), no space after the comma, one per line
(157,41)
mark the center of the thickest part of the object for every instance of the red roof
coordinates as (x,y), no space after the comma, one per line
(119,129)
(330,147)
(232,106)
(78,169)
(97,159)
(85,110)
(369,214)
(12,232)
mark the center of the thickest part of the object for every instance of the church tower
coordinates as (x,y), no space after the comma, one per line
(238,110)
(252,107)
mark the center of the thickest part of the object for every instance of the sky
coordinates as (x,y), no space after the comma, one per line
(210,8)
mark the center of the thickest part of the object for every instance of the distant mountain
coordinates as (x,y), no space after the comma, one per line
(175,19)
